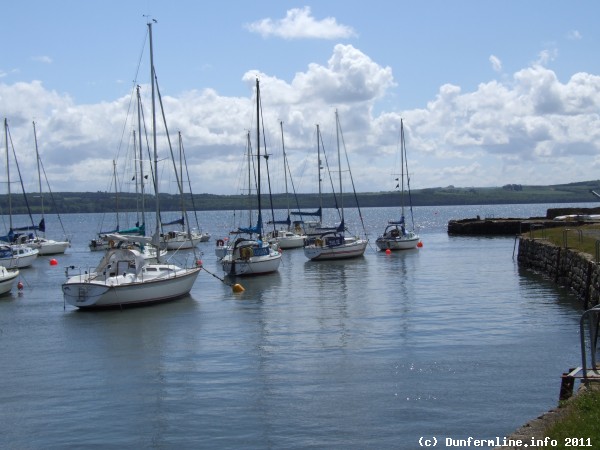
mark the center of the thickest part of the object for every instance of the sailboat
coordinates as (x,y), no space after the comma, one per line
(286,237)
(184,238)
(41,243)
(309,227)
(7,279)
(396,236)
(14,255)
(123,277)
(252,256)
(333,243)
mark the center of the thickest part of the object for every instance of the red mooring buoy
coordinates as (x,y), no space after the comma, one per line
(419,244)
(53,262)
(388,252)
(20,285)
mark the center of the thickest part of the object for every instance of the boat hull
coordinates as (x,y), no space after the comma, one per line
(49,247)
(7,280)
(397,243)
(252,266)
(83,292)
(346,250)
(22,256)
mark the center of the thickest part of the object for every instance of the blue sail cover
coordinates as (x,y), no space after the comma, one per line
(255,229)
(175,222)
(12,236)
(287,222)
(317,213)
(397,222)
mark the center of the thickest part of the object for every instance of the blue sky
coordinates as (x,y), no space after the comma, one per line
(490,92)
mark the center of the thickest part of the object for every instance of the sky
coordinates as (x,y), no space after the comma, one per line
(489,93)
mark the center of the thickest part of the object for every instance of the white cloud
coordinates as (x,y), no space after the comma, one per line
(496,63)
(42,59)
(300,24)
(574,35)
(532,128)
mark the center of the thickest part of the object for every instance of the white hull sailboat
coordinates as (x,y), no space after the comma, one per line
(395,235)
(48,246)
(7,279)
(43,245)
(333,244)
(17,256)
(329,246)
(287,237)
(123,277)
(249,256)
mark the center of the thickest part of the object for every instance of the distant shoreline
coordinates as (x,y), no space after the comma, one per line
(99,202)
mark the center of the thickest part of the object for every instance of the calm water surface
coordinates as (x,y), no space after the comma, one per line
(451,340)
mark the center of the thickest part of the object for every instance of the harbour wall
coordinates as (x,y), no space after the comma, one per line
(570,268)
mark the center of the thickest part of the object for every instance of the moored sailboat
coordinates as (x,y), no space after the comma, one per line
(44,245)
(333,243)
(396,236)
(252,256)
(123,277)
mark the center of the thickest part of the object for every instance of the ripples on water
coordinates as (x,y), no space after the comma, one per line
(451,340)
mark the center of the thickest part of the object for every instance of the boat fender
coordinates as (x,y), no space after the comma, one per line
(319,242)
(111,244)
(220,243)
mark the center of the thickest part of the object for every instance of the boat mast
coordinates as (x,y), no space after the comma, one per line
(258,157)
(8,175)
(37,157)
(319,173)
(402,150)
(337,135)
(157,204)
(141,150)
(285,168)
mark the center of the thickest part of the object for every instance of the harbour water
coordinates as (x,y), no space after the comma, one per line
(452,340)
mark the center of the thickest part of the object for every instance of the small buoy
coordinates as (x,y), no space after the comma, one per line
(20,286)
(388,252)
(238,288)
(53,262)
(419,244)
(199,263)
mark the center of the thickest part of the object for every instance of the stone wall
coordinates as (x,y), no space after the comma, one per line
(573,269)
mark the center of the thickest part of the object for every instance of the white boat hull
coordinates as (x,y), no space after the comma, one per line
(256,265)
(288,241)
(49,247)
(352,249)
(182,242)
(7,279)
(83,292)
(22,256)
(398,243)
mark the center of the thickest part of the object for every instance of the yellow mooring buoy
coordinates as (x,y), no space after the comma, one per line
(238,288)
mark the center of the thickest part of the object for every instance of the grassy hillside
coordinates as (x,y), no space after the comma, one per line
(87,202)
